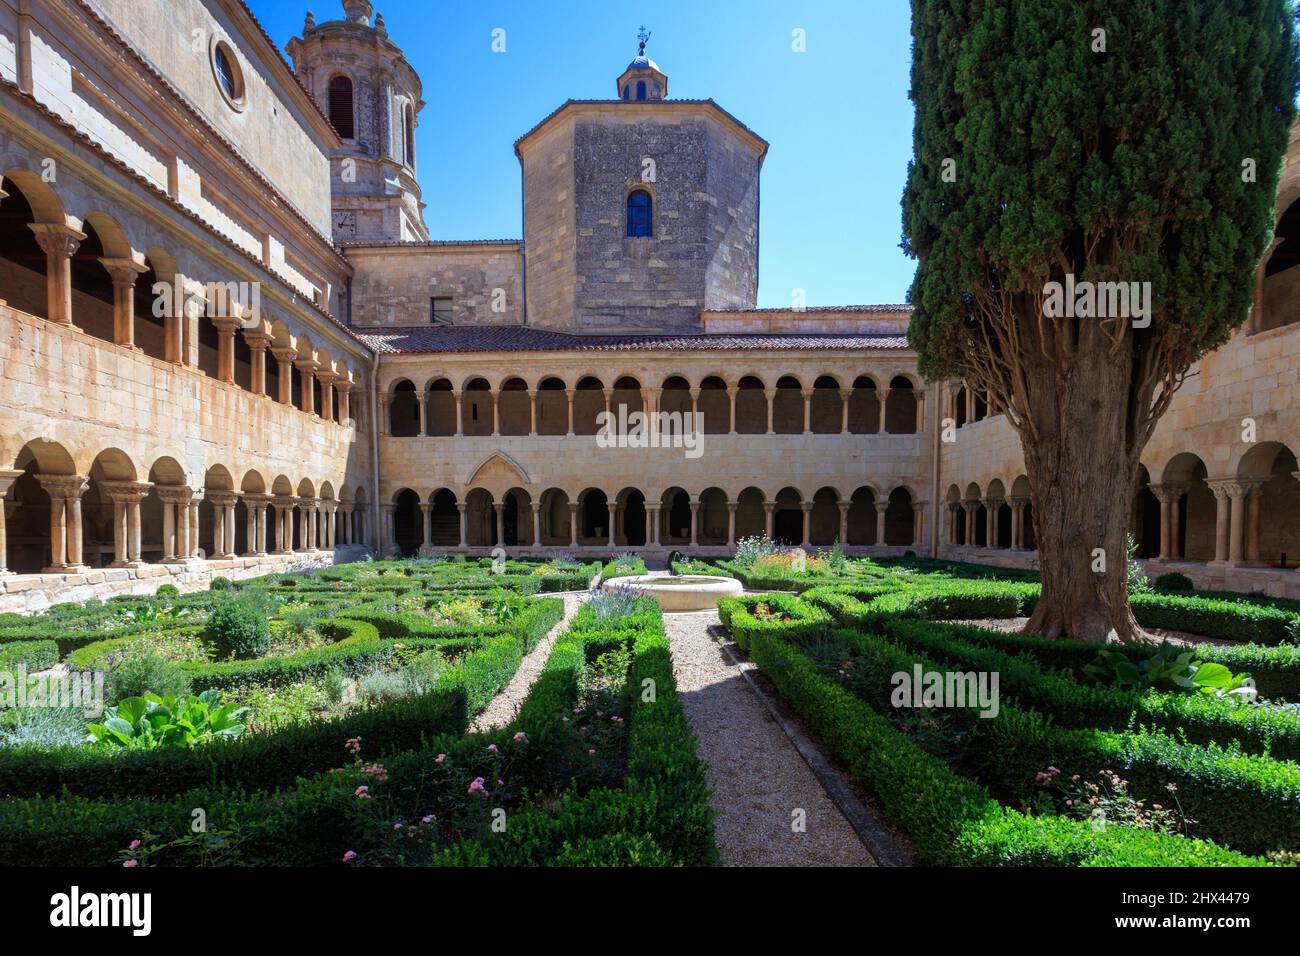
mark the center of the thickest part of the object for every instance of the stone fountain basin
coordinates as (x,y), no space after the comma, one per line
(685,592)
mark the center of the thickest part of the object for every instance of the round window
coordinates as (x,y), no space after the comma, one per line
(229,77)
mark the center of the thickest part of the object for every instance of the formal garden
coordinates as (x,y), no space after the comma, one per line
(1180,754)
(325,719)
(332,718)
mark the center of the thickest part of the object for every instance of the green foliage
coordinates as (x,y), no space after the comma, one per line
(221,584)
(169,590)
(1124,164)
(1172,581)
(146,672)
(237,629)
(1167,669)
(749,550)
(143,723)
(1137,580)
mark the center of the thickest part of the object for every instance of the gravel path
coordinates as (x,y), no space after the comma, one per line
(503,707)
(759,780)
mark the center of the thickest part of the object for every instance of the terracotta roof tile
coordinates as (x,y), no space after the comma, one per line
(520,338)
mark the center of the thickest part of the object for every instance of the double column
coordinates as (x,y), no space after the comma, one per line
(66,526)
(126,497)
(223,524)
(1237,521)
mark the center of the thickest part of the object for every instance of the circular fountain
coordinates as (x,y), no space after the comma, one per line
(684,592)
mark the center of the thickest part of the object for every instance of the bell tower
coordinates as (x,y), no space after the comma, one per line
(372,95)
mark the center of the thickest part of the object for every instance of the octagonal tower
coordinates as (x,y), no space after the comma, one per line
(372,95)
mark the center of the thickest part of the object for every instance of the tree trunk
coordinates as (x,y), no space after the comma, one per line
(1082,473)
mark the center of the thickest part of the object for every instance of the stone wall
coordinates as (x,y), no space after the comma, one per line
(32,593)
(393,285)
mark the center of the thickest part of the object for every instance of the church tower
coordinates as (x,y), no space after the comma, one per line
(372,95)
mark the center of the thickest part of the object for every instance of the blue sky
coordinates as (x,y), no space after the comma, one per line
(837,115)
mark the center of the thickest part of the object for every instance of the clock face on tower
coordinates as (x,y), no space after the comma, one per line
(345,224)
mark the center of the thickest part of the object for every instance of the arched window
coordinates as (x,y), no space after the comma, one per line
(640,89)
(627,92)
(340,103)
(409,143)
(640,215)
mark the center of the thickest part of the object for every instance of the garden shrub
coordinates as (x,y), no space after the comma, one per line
(238,630)
(1174,582)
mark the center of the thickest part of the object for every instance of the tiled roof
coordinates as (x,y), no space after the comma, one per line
(814,309)
(520,338)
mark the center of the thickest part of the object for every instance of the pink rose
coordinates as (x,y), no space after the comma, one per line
(131,863)
(349,857)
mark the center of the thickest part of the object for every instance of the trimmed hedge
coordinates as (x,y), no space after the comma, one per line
(1248,801)
(953,821)
(34,655)
(737,613)
(1203,719)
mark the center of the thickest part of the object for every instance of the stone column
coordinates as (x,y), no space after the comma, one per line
(227,326)
(731,523)
(845,394)
(612,506)
(1238,492)
(1017,523)
(770,395)
(284,359)
(769,518)
(532,413)
(7,478)
(65,493)
(883,395)
(307,370)
(652,524)
(258,343)
(123,272)
(920,410)
(1165,497)
(59,243)
(457,397)
(732,389)
(689,427)
(326,379)
(496,412)
(537,524)
(344,387)
(463,508)
(385,418)
(807,394)
(568,394)
(881,508)
(695,521)
(573,524)
(331,527)
(918,522)
(991,506)
(844,520)
(126,497)
(193,534)
(426,513)
(1176,493)
(806,507)
(1222,520)
(250,526)
(1254,506)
